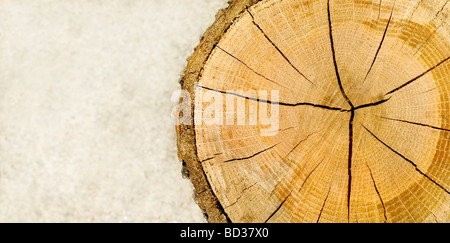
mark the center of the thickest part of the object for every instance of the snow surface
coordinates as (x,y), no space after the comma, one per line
(86,133)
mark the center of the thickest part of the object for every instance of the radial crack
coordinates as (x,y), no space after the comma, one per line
(378,192)
(299,143)
(278,49)
(408,160)
(415,123)
(241,195)
(301,187)
(275,103)
(440,10)
(353,109)
(243,63)
(249,157)
(309,175)
(206,160)
(381,43)
(278,209)
(350,162)
(372,104)
(338,76)
(324,203)
(418,77)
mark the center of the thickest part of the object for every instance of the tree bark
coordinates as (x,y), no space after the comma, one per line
(321,111)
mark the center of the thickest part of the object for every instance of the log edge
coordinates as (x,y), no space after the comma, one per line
(186,137)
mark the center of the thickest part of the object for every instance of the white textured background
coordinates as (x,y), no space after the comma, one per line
(85,128)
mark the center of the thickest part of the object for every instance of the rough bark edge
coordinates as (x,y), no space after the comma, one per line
(187,150)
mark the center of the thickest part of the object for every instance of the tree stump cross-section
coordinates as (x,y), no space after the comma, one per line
(321,111)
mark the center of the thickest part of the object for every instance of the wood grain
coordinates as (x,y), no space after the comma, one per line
(364,125)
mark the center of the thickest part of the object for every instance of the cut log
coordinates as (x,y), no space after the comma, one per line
(321,111)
